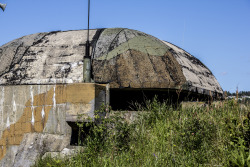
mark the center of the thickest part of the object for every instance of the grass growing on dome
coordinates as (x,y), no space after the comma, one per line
(216,135)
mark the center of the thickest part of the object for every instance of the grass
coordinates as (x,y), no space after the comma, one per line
(165,136)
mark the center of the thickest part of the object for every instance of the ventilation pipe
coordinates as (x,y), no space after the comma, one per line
(87,57)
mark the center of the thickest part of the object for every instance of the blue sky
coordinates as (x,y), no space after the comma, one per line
(215,31)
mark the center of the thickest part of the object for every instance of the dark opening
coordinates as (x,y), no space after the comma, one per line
(78,134)
(125,99)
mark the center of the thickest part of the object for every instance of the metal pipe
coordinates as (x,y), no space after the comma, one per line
(87,57)
(88,18)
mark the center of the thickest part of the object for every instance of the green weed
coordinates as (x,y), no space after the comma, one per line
(162,135)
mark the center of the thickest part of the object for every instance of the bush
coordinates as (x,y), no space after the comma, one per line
(167,136)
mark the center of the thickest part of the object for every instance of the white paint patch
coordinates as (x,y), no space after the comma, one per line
(73,65)
(2,102)
(32,118)
(62,69)
(8,122)
(32,105)
(43,113)
(54,98)
(14,105)
(31,95)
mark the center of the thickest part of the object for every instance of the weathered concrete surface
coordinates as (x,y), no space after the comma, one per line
(43,58)
(199,77)
(122,57)
(41,112)
(66,152)
(131,59)
(41,75)
(33,146)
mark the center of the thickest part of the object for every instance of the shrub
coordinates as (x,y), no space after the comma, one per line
(163,135)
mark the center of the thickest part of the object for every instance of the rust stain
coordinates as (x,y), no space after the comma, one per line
(73,93)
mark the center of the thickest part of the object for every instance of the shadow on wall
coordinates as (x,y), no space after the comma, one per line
(128,99)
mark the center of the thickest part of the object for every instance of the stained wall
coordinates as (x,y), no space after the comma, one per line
(44,109)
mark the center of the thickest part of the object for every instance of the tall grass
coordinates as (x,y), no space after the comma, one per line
(165,136)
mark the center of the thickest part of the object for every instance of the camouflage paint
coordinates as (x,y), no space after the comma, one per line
(56,103)
(142,44)
(132,59)
(57,57)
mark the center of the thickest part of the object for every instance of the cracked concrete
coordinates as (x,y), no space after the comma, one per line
(123,57)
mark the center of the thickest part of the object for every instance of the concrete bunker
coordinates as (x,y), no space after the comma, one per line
(139,66)
(41,85)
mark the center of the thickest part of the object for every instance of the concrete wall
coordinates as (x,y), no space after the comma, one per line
(45,109)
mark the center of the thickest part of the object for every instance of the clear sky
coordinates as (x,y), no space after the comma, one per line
(215,31)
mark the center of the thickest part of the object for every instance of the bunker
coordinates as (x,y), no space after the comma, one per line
(42,90)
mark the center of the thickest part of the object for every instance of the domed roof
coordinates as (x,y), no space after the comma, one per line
(123,57)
